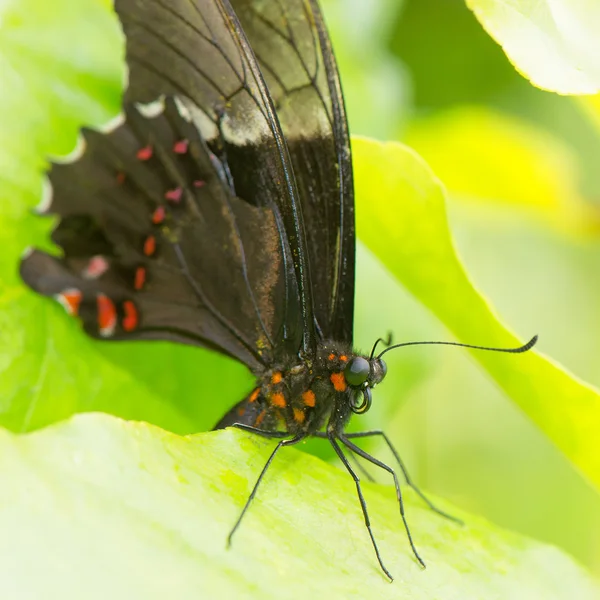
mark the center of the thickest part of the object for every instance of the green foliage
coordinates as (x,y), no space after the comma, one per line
(554,44)
(412,220)
(109,509)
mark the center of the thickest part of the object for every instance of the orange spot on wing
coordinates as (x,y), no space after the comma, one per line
(260,418)
(140,278)
(299,415)
(331,356)
(130,320)
(308,397)
(343,358)
(277,377)
(70,300)
(339,382)
(278,400)
(150,245)
(240,411)
(107,315)
(254,395)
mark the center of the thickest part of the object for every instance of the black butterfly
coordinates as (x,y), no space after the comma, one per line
(218,211)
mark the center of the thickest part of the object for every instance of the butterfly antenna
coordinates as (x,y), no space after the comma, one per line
(386,341)
(530,344)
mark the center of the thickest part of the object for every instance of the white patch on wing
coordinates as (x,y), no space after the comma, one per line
(112,124)
(245,129)
(194,114)
(46,199)
(152,109)
(74,155)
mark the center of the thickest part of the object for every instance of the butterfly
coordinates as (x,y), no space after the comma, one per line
(217,210)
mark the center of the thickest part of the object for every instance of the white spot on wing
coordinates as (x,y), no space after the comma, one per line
(46,200)
(152,109)
(182,109)
(111,125)
(74,155)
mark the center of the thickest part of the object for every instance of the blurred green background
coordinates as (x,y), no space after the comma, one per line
(521,169)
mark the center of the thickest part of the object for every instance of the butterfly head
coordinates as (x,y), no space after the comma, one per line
(363,374)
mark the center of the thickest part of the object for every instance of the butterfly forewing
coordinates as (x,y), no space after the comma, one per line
(293,50)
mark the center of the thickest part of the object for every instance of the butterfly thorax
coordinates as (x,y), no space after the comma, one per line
(304,396)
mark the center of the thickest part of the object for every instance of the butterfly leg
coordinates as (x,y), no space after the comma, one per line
(409,482)
(323,435)
(361,498)
(280,445)
(360,452)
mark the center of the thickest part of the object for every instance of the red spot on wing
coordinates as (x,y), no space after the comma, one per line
(97,266)
(150,245)
(343,358)
(120,178)
(331,356)
(198,183)
(254,395)
(278,400)
(309,398)
(174,195)
(144,153)
(277,377)
(339,382)
(70,300)
(131,318)
(180,147)
(158,216)
(107,315)
(140,278)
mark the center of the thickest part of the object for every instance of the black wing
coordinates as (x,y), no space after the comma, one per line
(293,50)
(183,222)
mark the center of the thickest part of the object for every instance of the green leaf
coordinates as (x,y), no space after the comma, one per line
(110,509)
(555,44)
(402,219)
(484,155)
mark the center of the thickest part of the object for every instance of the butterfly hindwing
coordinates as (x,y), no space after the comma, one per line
(149,222)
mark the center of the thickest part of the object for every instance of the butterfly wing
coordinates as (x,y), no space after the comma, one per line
(182,222)
(292,47)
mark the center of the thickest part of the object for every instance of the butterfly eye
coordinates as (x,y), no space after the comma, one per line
(357,371)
